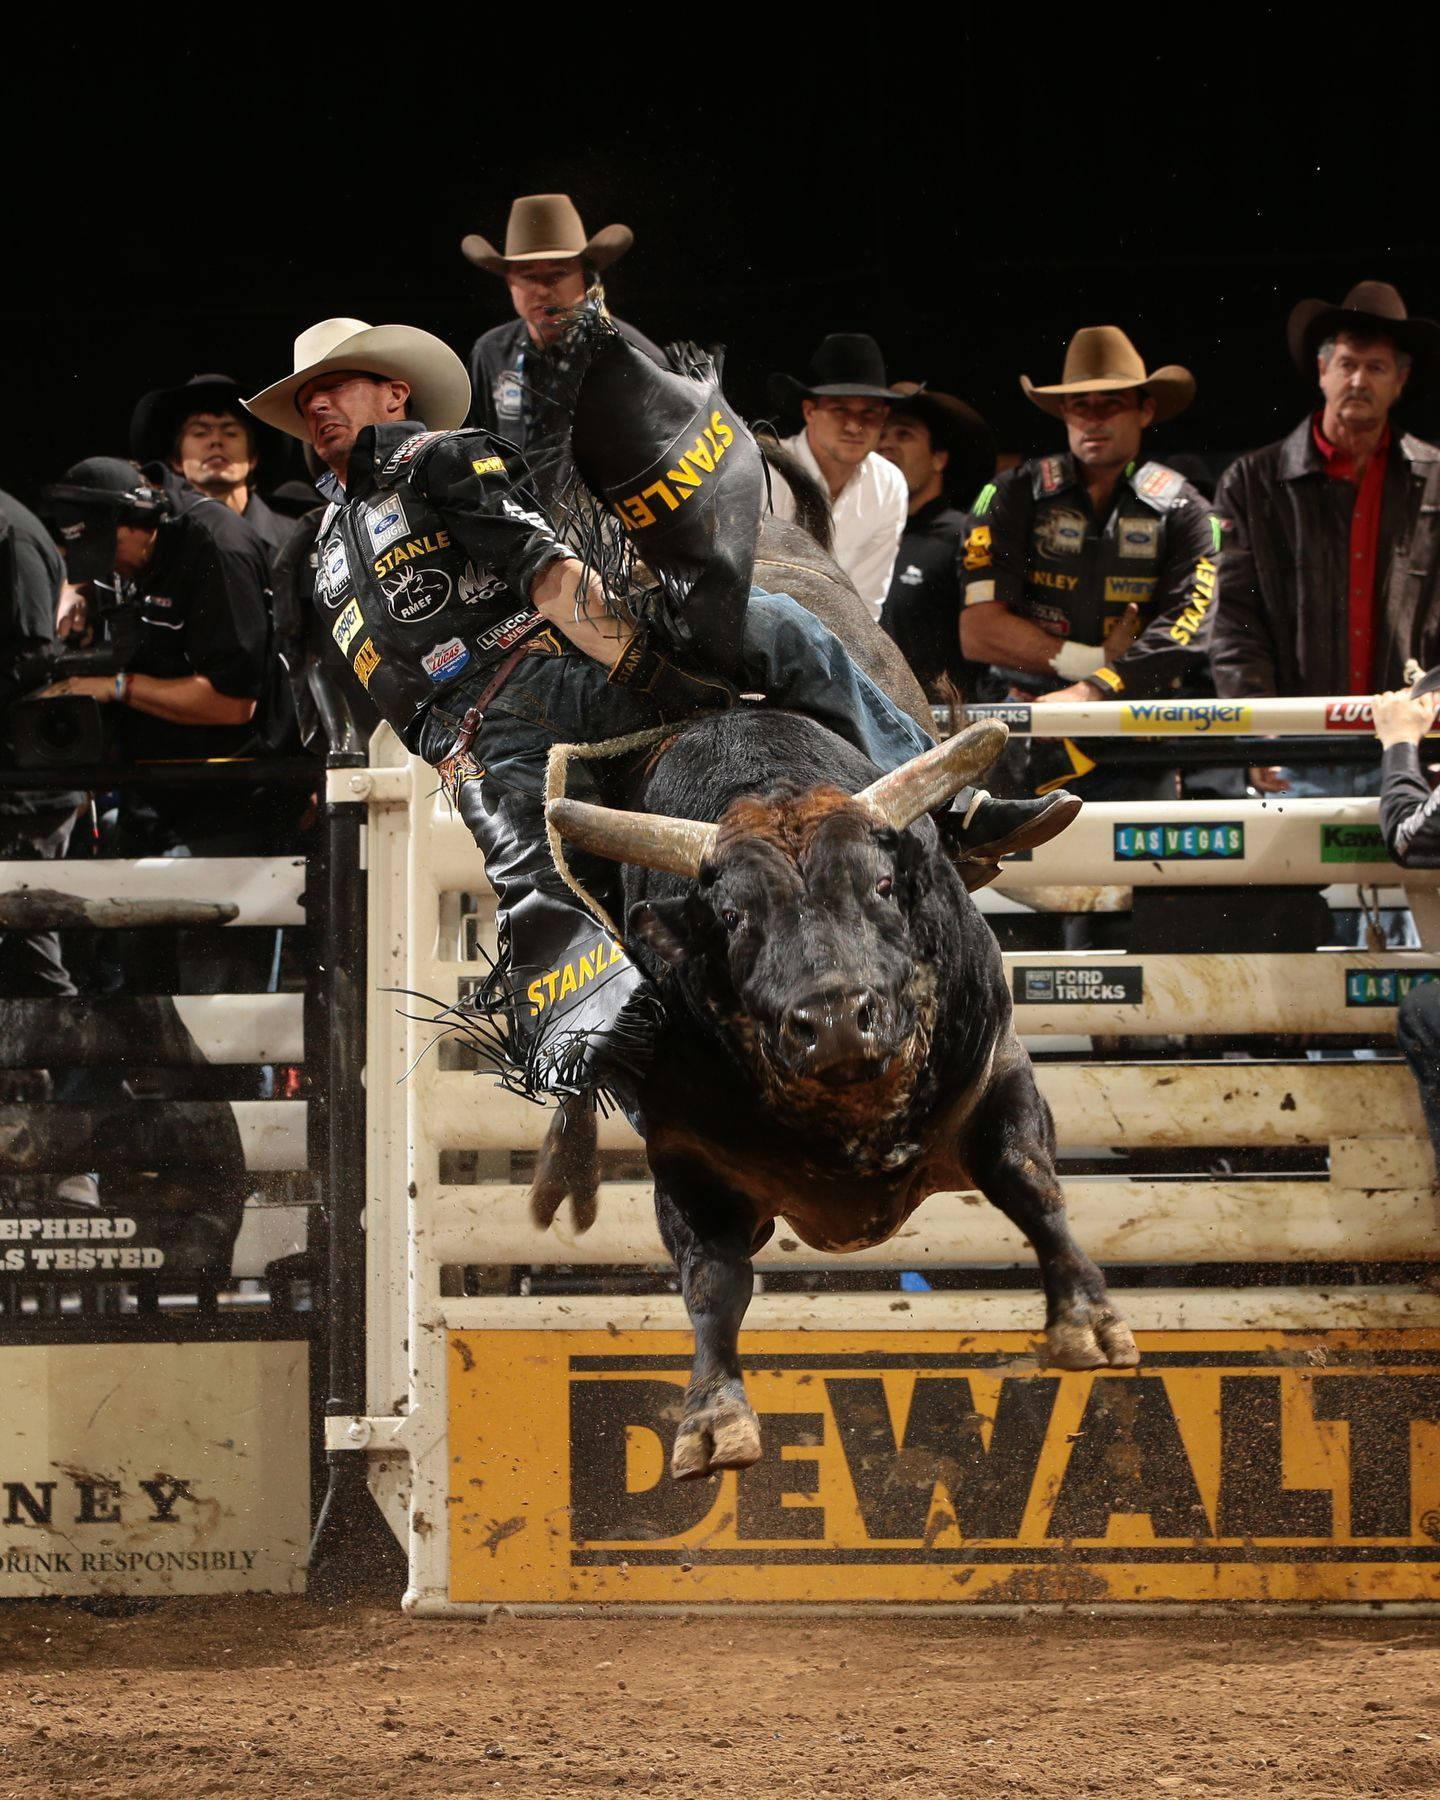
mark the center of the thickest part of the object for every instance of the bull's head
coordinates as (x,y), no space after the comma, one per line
(808,900)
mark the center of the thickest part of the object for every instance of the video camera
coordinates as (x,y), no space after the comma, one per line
(67,730)
(94,498)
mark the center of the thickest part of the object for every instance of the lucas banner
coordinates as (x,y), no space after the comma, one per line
(937,1468)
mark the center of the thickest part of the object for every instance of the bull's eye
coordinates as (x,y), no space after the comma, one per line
(729,918)
(884,885)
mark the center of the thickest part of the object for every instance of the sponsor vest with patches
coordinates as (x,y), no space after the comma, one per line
(406,607)
(1079,575)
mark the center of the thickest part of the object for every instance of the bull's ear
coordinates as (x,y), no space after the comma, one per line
(661,925)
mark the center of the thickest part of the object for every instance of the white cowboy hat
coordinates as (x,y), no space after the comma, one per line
(439,386)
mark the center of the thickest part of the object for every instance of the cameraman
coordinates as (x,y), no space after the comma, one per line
(32,824)
(195,585)
(186,608)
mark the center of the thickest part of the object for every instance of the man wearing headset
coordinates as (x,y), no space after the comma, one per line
(192,588)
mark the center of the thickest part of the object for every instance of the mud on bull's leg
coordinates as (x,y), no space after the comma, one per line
(719,1429)
(1012,1160)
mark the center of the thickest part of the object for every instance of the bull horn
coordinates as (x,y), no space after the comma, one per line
(937,775)
(648,840)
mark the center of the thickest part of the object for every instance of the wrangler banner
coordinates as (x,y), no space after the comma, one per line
(936,1468)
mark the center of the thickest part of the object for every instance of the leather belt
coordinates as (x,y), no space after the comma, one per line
(475,713)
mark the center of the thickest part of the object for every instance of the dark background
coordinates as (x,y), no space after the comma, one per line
(190,201)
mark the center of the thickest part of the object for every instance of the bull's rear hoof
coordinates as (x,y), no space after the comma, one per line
(722,1438)
(1101,1341)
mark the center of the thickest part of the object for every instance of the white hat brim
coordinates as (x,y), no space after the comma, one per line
(439,385)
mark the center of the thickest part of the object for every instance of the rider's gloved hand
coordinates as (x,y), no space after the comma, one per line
(675,690)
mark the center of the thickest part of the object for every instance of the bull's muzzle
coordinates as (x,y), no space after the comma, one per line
(836,1036)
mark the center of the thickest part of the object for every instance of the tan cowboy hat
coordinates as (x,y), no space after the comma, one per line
(1100,359)
(544,227)
(439,386)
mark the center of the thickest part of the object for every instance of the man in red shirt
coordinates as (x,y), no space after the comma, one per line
(1328,580)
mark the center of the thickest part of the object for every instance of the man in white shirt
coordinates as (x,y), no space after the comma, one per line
(845,408)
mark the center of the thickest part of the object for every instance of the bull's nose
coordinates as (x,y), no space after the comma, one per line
(835,1037)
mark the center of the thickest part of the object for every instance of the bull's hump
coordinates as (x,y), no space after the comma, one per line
(749,750)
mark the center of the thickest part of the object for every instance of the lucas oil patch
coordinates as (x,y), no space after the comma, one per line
(445,660)
(348,626)
(386,522)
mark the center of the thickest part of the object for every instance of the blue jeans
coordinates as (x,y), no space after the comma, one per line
(786,654)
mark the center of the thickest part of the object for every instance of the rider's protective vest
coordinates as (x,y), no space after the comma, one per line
(424,571)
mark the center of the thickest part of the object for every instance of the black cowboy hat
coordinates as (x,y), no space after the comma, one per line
(1370,306)
(157,418)
(847,364)
(956,428)
(952,425)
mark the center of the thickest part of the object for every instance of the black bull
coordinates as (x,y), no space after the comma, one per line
(839,1041)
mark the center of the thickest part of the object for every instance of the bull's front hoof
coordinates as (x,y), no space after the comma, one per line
(1095,1339)
(721,1437)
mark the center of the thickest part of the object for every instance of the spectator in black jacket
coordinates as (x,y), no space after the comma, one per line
(946,452)
(520,374)
(1410,821)
(1331,573)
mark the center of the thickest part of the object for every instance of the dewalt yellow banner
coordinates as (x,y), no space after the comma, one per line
(936,1468)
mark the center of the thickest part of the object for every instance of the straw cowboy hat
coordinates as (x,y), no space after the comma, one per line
(439,386)
(1101,359)
(847,364)
(545,227)
(1369,306)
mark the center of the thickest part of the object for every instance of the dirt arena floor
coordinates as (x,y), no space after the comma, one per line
(291,1697)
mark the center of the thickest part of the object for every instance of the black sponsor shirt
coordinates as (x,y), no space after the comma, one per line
(204,610)
(1032,543)
(273,529)
(922,609)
